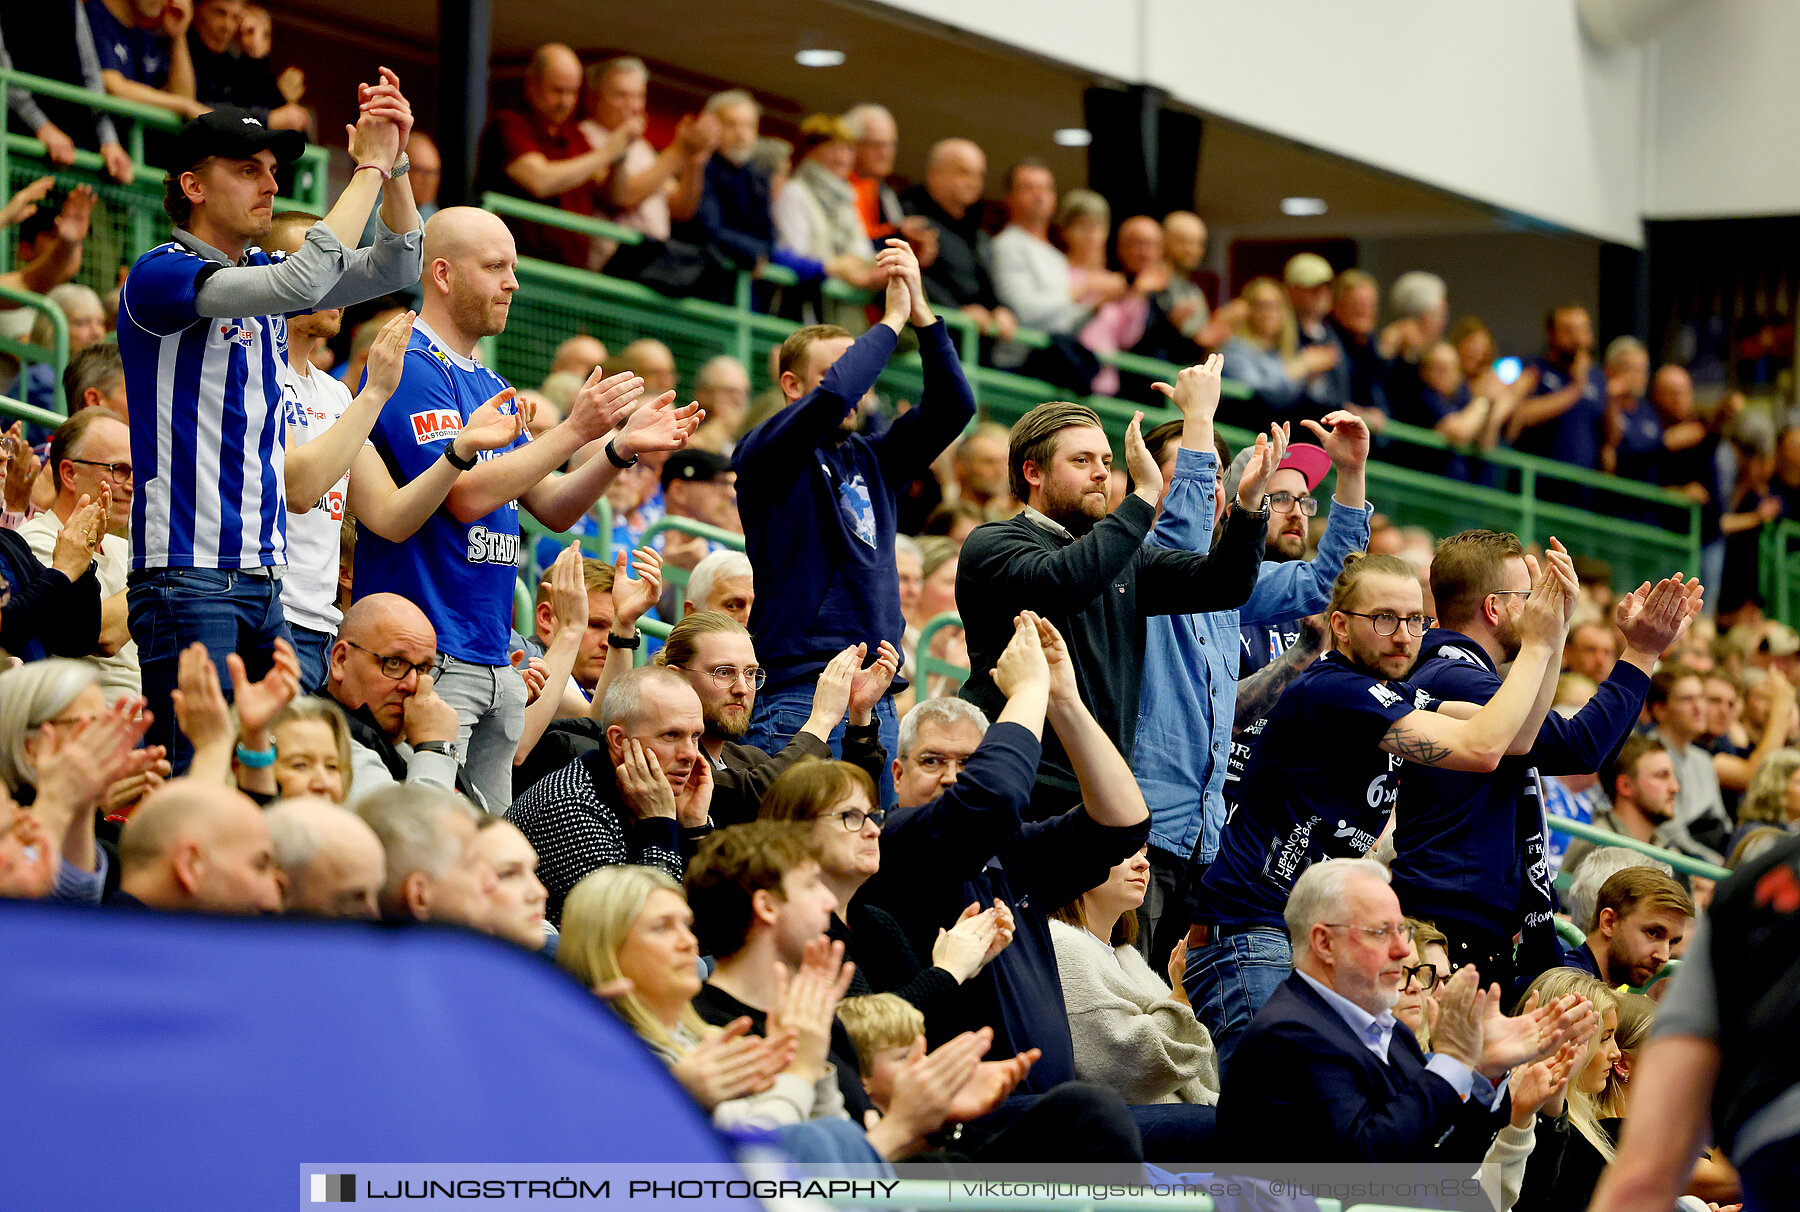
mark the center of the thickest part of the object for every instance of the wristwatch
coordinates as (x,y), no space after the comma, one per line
(401,167)
(1261,515)
(612,456)
(455,460)
(443,747)
(617,641)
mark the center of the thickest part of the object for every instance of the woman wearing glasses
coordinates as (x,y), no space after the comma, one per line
(1322,779)
(714,652)
(839,800)
(1423,975)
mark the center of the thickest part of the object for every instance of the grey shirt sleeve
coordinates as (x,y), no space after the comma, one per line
(323,273)
(22,103)
(1691,1006)
(392,263)
(91,78)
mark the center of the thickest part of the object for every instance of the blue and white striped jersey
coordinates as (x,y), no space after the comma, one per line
(207,420)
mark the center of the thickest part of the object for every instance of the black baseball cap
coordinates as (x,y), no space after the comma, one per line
(694,465)
(236,134)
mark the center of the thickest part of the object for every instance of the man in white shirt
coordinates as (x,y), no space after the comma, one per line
(90,453)
(1031,275)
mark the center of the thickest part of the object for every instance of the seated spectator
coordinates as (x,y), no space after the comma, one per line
(1561,414)
(1478,355)
(197,846)
(66,754)
(61,45)
(95,378)
(701,486)
(516,907)
(1640,918)
(1184,301)
(1644,788)
(1631,432)
(224,75)
(1446,405)
(722,388)
(724,582)
(1083,229)
(312,751)
(1751,505)
(255,43)
(90,457)
(27,854)
(53,609)
(1689,460)
(1124,323)
(595,625)
(877,143)
(714,653)
(1327,1063)
(50,246)
(979,463)
(1592,651)
(1031,275)
(435,870)
(579,355)
(1422,980)
(1421,303)
(1308,278)
(143,50)
(330,863)
(1132,1031)
(628,802)
(541,153)
(1590,874)
(734,210)
(1773,797)
(1677,706)
(816,216)
(1573,1143)
(936,596)
(81,309)
(1738,757)
(1264,355)
(401,731)
(954,520)
(960,277)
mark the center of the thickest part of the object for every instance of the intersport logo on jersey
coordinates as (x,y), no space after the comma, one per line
(435,424)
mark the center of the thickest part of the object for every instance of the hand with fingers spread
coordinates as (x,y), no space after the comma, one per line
(388,355)
(729,1063)
(492,426)
(658,426)
(1145,472)
(1265,459)
(643,784)
(806,1004)
(76,764)
(77,212)
(868,685)
(568,594)
(23,204)
(633,596)
(1462,1012)
(831,697)
(963,949)
(259,702)
(925,1089)
(1541,1086)
(1540,619)
(601,404)
(1653,618)
(1196,392)
(1561,565)
(22,469)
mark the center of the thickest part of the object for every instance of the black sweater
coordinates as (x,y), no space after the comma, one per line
(1097,590)
(47,614)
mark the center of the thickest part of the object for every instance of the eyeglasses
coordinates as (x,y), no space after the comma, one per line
(1386,622)
(118,473)
(726,676)
(1282,502)
(1378,934)
(855,818)
(1426,976)
(1511,593)
(393,668)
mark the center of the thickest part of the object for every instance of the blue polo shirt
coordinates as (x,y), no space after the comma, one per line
(1317,786)
(460,575)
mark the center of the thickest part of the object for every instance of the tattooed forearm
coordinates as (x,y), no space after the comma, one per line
(1257,693)
(1414,747)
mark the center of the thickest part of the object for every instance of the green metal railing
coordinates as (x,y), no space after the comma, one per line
(1779,569)
(927,666)
(1606,837)
(56,355)
(18,410)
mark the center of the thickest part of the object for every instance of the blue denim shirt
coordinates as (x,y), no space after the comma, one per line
(1189,699)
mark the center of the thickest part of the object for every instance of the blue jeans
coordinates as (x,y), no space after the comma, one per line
(779,714)
(1230,978)
(222,608)
(1176,1134)
(314,650)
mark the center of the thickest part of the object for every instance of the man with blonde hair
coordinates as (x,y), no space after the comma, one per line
(1639,921)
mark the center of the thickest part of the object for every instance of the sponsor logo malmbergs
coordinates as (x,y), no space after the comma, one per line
(490,547)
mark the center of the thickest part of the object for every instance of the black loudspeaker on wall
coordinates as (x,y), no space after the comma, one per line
(1145,157)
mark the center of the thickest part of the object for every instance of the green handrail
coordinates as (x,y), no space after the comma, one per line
(537,212)
(26,351)
(19,410)
(1606,837)
(926,665)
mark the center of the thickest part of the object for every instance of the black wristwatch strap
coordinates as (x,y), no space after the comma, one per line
(612,456)
(451,458)
(615,641)
(1261,515)
(443,747)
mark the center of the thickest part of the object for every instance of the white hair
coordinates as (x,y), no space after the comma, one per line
(1619,347)
(904,545)
(29,695)
(1595,868)
(858,114)
(1417,292)
(720,566)
(946,711)
(1322,894)
(292,837)
(729,98)
(408,817)
(67,297)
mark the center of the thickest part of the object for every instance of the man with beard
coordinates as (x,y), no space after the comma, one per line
(634,801)
(1469,848)
(714,653)
(1561,418)
(1644,785)
(1322,779)
(1640,917)
(819,500)
(1091,574)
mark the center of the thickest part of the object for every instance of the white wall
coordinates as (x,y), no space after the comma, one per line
(1504,102)
(1725,96)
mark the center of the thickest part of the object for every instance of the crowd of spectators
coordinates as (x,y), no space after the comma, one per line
(1226,842)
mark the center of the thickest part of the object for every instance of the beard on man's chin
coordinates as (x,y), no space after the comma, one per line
(728,723)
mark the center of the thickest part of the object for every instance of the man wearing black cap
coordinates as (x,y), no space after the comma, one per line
(202,336)
(701,485)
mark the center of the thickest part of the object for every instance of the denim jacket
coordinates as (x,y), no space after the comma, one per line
(1189,699)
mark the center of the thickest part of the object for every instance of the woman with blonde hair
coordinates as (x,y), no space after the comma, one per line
(1575,1140)
(1263,353)
(816,215)
(1773,796)
(312,750)
(1081,229)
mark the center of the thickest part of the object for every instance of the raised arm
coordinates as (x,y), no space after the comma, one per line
(1256,694)
(946,405)
(396,512)
(569,615)
(1109,791)
(558,501)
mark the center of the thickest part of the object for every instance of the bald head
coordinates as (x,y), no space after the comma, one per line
(578,356)
(653,361)
(458,232)
(199,846)
(1184,240)
(331,862)
(553,83)
(1140,244)
(470,275)
(956,175)
(376,630)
